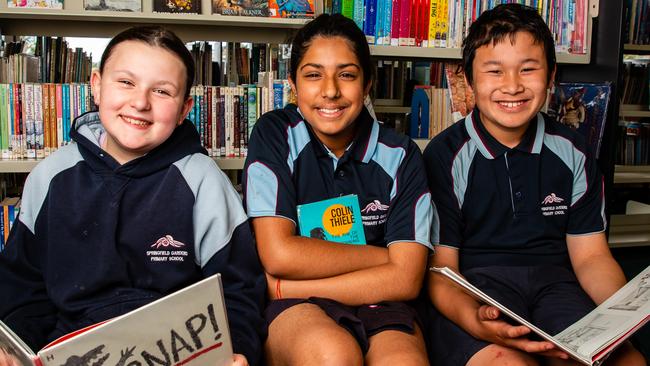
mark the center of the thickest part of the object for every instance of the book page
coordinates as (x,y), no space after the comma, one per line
(628,308)
(188,327)
(484,298)
(13,351)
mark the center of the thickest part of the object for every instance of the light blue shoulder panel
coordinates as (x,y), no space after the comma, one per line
(574,159)
(460,169)
(38,182)
(261,190)
(389,159)
(297,138)
(217,207)
(424,216)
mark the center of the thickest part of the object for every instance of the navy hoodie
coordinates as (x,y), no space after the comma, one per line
(80,251)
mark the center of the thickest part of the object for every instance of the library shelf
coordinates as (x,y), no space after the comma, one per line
(624,174)
(629,230)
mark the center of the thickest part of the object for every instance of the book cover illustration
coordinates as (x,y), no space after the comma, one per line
(583,107)
(291,8)
(254,8)
(462,98)
(188,327)
(177,6)
(113,5)
(47,4)
(336,219)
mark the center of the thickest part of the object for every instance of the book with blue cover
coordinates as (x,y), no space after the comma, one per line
(336,219)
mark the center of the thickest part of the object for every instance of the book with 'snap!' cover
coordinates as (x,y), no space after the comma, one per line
(336,219)
(188,327)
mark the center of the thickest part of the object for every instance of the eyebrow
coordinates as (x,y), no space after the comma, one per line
(158,82)
(498,63)
(339,66)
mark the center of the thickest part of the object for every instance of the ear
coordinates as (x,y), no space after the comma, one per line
(187,106)
(468,84)
(551,80)
(293,87)
(95,85)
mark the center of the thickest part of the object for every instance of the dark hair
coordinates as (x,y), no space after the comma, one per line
(157,36)
(332,25)
(506,20)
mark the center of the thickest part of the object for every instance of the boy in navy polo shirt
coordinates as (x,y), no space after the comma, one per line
(519,203)
(333,303)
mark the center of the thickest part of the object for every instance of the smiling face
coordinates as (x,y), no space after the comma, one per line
(510,80)
(329,89)
(141,100)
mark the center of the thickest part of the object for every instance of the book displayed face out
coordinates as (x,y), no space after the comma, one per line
(188,327)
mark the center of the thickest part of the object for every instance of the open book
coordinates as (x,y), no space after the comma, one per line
(591,339)
(188,327)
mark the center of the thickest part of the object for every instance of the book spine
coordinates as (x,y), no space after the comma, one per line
(371,20)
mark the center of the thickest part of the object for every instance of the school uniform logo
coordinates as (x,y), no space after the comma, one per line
(167,249)
(374,214)
(552,205)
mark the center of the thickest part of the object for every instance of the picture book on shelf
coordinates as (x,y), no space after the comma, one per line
(462,98)
(591,339)
(47,4)
(583,107)
(291,8)
(336,219)
(177,6)
(188,327)
(113,5)
(254,8)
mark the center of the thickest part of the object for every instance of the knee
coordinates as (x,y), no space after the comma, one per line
(494,355)
(334,354)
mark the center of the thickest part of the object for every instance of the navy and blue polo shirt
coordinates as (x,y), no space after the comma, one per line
(288,166)
(512,207)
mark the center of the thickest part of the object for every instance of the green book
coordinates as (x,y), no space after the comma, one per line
(336,219)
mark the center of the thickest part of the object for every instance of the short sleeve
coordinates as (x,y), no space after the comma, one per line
(267,177)
(447,214)
(410,215)
(587,211)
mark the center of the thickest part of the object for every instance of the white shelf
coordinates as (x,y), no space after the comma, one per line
(631,174)
(634,110)
(26,165)
(455,54)
(629,230)
(75,21)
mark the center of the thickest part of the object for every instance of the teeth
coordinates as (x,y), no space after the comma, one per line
(135,121)
(325,110)
(511,104)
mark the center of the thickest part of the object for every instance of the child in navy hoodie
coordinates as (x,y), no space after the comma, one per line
(134,176)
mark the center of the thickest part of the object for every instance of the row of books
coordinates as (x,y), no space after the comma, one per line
(636,27)
(51,61)
(35,119)
(260,8)
(225,116)
(636,81)
(10,207)
(634,143)
(444,23)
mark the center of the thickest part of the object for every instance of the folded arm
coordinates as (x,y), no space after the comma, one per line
(288,256)
(399,279)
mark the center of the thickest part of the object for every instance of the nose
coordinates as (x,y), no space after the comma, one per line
(512,83)
(140,99)
(330,88)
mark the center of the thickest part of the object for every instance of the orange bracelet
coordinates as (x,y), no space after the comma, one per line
(278,291)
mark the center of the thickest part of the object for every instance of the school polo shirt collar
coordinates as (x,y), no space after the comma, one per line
(363,145)
(490,148)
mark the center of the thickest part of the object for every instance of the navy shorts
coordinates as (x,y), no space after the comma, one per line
(549,297)
(361,321)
